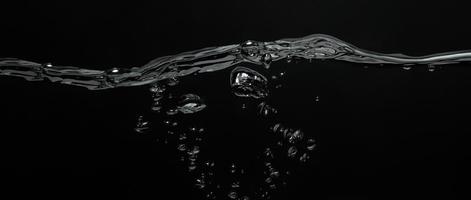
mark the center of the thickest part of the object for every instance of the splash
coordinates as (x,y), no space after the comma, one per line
(316,46)
(173,116)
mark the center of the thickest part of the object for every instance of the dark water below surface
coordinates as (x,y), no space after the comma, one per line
(303,127)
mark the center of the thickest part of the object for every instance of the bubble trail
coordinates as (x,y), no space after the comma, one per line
(316,46)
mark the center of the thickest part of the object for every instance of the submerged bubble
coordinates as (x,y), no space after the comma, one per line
(292,151)
(431,68)
(141,125)
(304,157)
(232,194)
(266,110)
(296,136)
(181,147)
(311,144)
(266,60)
(246,82)
(406,67)
(251,48)
(190,103)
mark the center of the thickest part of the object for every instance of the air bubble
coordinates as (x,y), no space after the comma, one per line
(311,144)
(407,68)
(431,68)
(266,60)
(190,103)
(232,195)
(296,136)
(211,195)
(268,154)
(172,111)
(304,157)
(292,151)
(246,82)
(266,110)
(142,125)
(182,136)
(233,168)
(181,147)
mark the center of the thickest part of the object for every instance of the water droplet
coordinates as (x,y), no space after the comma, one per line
(311,144)
(246,82)
(292,151)
(190,103)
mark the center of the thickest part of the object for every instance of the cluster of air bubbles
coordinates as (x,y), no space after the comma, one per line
(190,103)
(246,82)
(294,141)
(251,48)
(142,125)
(158,93)
(172,81)
(266,110)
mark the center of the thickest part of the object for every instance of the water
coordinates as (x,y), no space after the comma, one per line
(243,121)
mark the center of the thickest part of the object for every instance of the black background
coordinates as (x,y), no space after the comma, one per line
(54,146)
